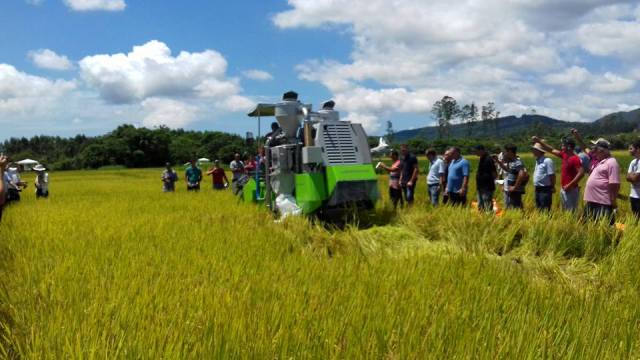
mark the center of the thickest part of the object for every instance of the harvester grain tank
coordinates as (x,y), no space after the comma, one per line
(315,163)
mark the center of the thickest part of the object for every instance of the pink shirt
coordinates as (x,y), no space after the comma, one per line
(604,173)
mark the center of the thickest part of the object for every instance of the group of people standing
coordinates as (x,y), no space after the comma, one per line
(11,184)
(240,170)
(448,176)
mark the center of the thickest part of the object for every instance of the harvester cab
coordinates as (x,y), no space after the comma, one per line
(314,163)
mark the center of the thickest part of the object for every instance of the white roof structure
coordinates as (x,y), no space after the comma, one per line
(27,162)
(204,160)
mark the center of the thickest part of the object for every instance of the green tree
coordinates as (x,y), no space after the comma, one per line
(444,111)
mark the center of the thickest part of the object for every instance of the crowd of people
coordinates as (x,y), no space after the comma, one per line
(241,171)
(447,177)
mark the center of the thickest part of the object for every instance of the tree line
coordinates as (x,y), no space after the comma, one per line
(128,146)
(447,110)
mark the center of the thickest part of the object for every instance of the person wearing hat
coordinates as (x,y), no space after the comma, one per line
(41,182)
(633,177)
(588,150)
(218,177)
(571,172)
(603,184)
(485,179)
(14,183)
(544,178)
(169,178)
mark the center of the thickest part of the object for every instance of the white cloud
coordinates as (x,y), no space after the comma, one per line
(150,70)
(491,50)
(167,112)
(618,38)
(96,5)
(259,75)
(48,59)
(611,83)
(571,77)
(21,93)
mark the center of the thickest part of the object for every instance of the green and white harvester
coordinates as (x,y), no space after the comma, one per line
(314,163)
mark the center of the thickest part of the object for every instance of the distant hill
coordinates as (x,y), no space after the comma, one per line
(512,125)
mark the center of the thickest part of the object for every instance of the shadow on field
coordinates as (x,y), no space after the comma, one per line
(360,220)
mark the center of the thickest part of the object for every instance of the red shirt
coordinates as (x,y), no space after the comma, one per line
(249,166)
(571,164)
(218,176)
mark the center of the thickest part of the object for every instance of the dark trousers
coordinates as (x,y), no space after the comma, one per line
(544,195)
(407,192)
(514,200)
(396,197)
(456,199)
(635,207)
(596,212)
(485,200)
(13,195)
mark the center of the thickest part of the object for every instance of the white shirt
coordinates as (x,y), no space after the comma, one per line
(542,173)
(634,168)
(435,170)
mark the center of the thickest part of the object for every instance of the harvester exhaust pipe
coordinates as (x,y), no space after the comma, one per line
(308,134)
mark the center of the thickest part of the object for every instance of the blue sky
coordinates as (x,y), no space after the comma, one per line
(85,66)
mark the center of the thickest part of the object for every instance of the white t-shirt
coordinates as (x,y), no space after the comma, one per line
(634,168)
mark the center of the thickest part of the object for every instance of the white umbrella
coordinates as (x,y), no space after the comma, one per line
(204,160)
(27,163)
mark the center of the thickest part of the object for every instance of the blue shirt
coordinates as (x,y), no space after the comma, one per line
(193,175)
(458,169)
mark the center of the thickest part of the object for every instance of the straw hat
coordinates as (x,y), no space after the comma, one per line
(538,146)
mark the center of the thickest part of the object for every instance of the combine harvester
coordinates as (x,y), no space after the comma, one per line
(316,164)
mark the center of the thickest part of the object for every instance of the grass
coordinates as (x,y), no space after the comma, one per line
(110,267)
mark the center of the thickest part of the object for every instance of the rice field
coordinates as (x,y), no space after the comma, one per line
(111,267)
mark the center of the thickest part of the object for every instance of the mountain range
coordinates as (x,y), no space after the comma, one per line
(614,123)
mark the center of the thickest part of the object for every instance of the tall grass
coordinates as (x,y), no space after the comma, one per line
(110,267)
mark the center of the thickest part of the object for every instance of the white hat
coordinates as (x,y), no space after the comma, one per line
(39,168)
(538,146)
(601,142)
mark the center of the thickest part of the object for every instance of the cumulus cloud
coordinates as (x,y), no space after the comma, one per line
(96,5)
(259,75)
(571,77)
(167,112)
(22,93)
(48,59)
(611,38)
(150,70)
(611,83)
(528,56)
